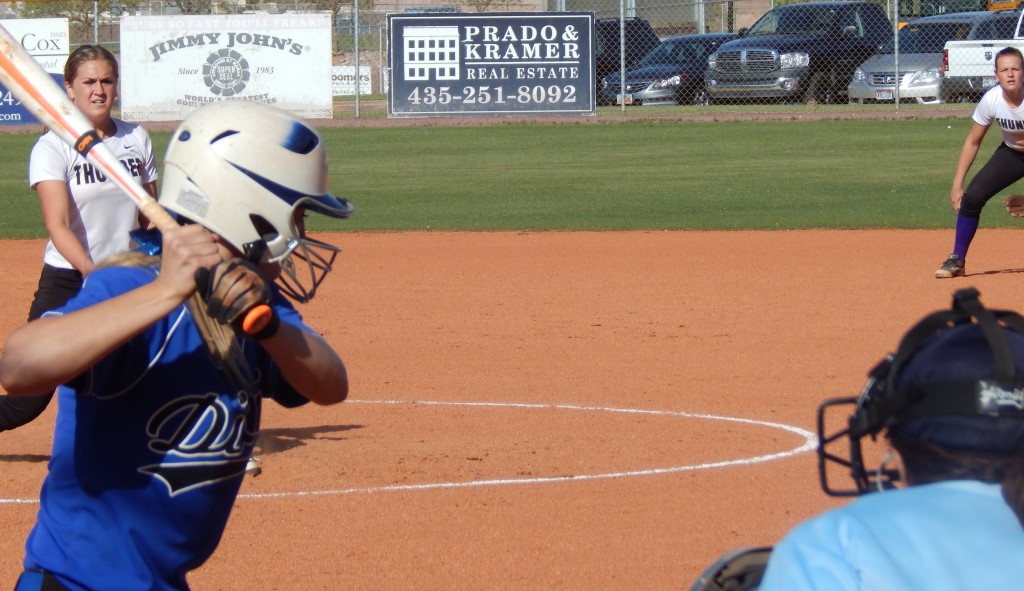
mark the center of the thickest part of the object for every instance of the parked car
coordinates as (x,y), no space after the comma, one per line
(638,38)
(920,60)
(798,52)
(968,70)
(671,74)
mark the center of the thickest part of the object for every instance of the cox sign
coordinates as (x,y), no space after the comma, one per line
(46,40)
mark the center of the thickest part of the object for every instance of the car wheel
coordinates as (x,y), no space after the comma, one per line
(818,90)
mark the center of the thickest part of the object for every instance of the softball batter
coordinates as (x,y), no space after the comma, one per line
(151,438)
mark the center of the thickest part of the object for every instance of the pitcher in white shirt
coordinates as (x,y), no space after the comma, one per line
(87,217)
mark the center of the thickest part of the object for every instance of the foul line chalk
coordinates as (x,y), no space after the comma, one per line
(810,442)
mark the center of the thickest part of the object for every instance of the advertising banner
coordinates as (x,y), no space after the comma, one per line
(46,40)
(170,65)
(343,80)
(491,64)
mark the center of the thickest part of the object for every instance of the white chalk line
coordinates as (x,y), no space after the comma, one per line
(810,442)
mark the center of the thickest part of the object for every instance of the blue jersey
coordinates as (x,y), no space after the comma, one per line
(947,536)
(149,452)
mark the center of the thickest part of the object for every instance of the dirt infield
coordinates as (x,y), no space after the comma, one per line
(531,410)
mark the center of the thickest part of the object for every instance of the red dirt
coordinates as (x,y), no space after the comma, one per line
(755,325)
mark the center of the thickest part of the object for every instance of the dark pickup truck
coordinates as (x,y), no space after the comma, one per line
(798,52)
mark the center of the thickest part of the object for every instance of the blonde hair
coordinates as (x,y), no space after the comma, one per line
(130,259)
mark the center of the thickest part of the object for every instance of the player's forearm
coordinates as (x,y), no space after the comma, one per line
(50,351)
(69,247)
(309,364)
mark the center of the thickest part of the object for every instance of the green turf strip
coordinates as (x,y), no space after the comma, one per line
(632,175)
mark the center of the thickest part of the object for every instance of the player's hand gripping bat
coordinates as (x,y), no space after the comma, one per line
(49,103)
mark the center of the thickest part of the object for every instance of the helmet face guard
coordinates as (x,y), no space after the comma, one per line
(318,258)
(853,460)
(248,172)
(884,405)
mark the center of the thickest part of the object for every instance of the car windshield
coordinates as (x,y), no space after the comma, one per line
(677,52)
(796,20)
(928,37)
(999,27)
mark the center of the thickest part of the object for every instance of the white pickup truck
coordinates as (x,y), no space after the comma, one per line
(968,67)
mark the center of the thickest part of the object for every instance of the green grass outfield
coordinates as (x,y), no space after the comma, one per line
(629,175)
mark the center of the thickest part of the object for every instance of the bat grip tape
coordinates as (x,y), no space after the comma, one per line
(87,141)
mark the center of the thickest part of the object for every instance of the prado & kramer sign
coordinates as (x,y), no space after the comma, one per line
(491,64)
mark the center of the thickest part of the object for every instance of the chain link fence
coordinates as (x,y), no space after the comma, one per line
(665,52)
(760,53)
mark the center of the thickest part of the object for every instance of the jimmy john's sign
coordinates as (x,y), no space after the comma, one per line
(170,65)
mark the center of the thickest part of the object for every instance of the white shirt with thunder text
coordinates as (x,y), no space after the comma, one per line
(993,107)
(101,214)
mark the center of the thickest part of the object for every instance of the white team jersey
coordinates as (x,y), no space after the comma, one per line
(101,215)
(992,107)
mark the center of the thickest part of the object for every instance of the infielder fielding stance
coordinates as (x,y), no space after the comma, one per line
(151,437)
(1002,105)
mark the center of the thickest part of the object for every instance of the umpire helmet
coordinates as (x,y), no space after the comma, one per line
(247,172)
(956,382)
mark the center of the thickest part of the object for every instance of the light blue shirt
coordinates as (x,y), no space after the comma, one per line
(950,536)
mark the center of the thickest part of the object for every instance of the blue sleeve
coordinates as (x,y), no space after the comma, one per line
(811,558)
(106,283)
(123,366)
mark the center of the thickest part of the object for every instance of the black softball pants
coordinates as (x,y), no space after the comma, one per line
(37,580)
(56,287)
(1005,167)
